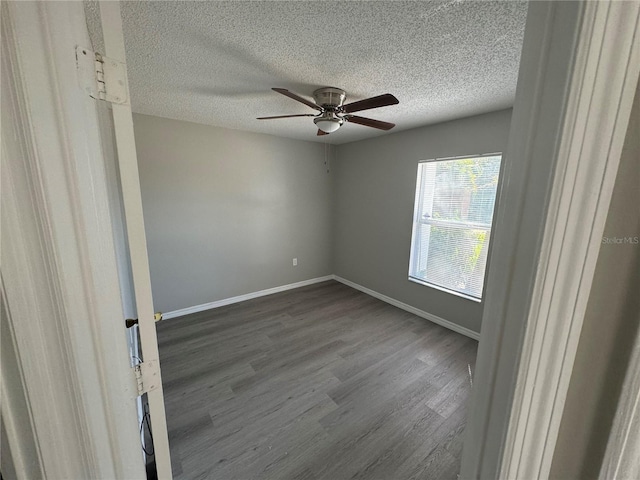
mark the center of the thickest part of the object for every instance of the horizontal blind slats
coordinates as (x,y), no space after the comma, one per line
(453,214)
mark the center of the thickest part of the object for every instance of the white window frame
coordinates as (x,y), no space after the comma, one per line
(417,220)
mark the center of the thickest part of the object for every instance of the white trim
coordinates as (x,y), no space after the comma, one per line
(621,459)
(17,418)
(579,69)
(444,289)
(136,236)
(241,298)
(463,157)
(270,291)
(416,311)
(58,261)
(424,193)
(599,102)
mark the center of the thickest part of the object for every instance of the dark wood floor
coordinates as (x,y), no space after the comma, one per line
(321,382)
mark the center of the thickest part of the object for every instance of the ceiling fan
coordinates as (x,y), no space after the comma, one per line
(333,112)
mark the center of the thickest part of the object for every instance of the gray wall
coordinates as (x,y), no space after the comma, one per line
(610,326)
(374,192)
(227,211)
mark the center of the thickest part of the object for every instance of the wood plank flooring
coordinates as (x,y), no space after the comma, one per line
(321,382)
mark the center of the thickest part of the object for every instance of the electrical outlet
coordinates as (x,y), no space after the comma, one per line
(295,262)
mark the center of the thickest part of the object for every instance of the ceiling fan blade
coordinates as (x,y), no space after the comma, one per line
(373,102)
(287,116)
(320,132)
(297,98)
(370,122)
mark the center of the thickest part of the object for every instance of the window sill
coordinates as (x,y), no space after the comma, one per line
(446,290)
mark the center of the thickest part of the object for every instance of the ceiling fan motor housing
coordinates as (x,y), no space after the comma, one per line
(329,101)
(330,98)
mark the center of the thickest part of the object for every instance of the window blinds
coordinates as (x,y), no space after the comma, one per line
(452,222)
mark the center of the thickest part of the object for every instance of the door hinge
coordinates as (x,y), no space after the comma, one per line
(147,376)
(103,78)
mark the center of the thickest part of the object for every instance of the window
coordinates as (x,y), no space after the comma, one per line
(452,223)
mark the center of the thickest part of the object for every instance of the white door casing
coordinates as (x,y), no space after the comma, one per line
(132,200)
(58,262)
(580,66)
(621,458)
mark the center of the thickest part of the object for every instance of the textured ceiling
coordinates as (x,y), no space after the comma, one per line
(215,62)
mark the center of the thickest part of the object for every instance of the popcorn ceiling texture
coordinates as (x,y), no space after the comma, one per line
(215,62)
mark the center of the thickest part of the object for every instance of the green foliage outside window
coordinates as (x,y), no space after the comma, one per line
(456,211)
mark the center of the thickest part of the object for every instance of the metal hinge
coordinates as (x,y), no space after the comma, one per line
(103,78)
(147,376)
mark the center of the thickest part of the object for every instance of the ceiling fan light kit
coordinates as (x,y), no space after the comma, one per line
(333,113)
(328,122)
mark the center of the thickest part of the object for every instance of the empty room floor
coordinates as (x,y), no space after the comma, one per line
(321,382)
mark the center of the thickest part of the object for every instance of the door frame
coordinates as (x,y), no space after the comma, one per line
(56,208)
(578,75)
(129,178)
(59,271)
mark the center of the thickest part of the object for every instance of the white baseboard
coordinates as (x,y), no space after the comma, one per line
(291,286)
(242,298)
(420,313)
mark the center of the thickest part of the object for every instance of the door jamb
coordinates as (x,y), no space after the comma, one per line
(58,257)
(579,71)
